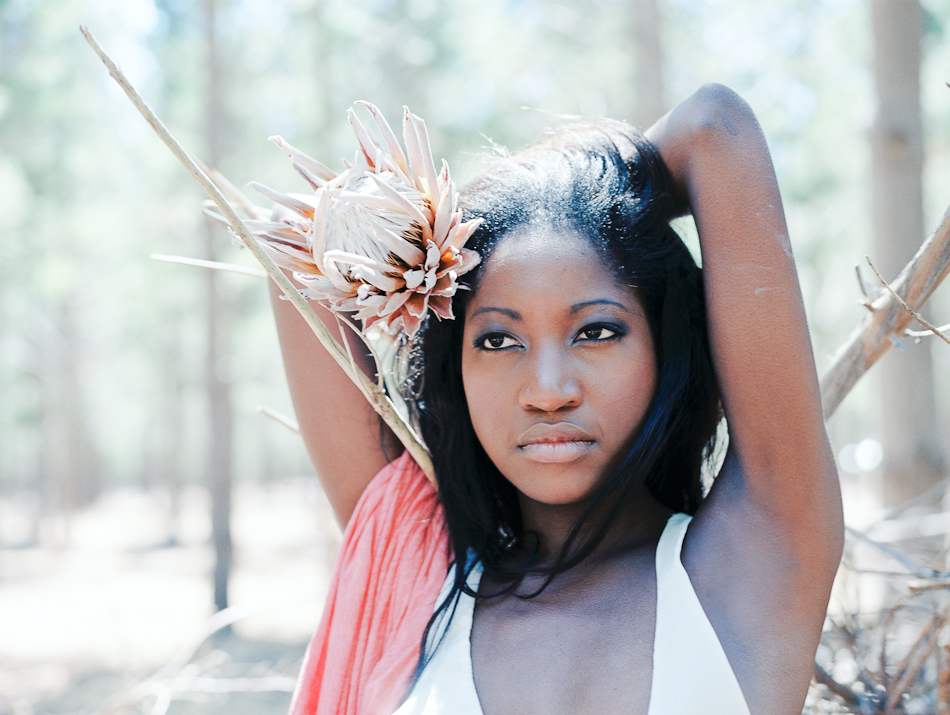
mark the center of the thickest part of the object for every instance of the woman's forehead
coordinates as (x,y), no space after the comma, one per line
(550,266)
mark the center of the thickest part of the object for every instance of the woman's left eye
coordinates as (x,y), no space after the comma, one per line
(597,333)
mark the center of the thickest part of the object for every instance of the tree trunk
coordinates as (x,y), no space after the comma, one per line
(219,397)
(913,459)
(650,104)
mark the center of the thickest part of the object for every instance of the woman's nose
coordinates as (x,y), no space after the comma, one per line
(550,382)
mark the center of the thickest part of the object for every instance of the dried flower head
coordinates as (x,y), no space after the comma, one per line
(384,239)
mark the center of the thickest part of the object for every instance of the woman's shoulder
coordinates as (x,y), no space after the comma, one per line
(385,580)
(400,502)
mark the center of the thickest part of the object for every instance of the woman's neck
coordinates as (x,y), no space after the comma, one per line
(639,523)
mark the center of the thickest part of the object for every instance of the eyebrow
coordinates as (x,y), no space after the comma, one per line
(514,315)
(577,307)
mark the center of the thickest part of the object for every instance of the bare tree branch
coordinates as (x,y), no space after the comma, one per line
(887,316)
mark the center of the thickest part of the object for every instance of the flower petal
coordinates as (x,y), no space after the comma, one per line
(336,277)
(311,164)
(433,255)
(288,258)
(318,235)
(464,232)
(356,259)
(399,246)
(417,304)
(442,306)
(446,285)
(409,207)
(425,149)
(377,278)
(409,323)
(315,181)
(443,220)
(389,137)
(368,144)
(291,202)
(470,259)
(413,279)
(396,301)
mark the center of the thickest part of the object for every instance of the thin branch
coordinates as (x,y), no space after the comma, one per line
(236,195)
(346,343)
(927,333)
(920,319)
(943,682)
(215,265)
(377,398)
(915,588)
(915,568)
(160,683)
(279,418)
(842,691)
(921,650)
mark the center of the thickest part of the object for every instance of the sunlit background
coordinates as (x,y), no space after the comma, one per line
(107,454)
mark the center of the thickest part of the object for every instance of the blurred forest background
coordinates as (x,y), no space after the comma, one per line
(128,386)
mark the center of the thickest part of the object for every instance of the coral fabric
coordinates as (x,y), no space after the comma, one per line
(385,582)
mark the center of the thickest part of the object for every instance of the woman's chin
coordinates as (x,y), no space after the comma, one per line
(560,490)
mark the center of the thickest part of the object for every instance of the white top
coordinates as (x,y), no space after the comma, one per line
(691,673)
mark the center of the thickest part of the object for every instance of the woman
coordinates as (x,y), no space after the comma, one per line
(568,409)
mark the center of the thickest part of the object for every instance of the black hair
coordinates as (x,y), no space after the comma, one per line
(604,182)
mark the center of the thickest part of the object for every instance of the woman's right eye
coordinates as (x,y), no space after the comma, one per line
(496,341)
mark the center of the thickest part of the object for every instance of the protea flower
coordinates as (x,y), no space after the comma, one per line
(383,239)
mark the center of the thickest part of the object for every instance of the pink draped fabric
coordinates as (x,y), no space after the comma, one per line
(385,582)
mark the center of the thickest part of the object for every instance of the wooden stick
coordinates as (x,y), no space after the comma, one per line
(378,399)
(278,418)
(887,317)
(920,651)
(842,691)
(932,328)
(202,263)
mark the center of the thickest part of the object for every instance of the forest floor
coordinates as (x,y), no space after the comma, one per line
(94,604)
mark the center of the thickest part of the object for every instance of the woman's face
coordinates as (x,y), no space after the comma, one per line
(558,365)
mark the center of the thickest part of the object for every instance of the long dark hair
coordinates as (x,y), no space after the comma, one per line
(604,182)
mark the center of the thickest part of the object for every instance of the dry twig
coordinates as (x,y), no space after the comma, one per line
(842,691)
(915,659)
(914,567)
(171,681)
(279,418)
(936,331)
(215,265)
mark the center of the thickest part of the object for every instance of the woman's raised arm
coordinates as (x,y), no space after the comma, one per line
(765,544)
(723,174)
(346,440)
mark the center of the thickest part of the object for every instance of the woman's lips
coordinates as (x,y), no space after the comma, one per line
(555,444)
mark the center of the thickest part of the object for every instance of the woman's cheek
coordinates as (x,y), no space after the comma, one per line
(484,405)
